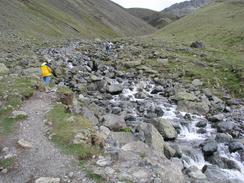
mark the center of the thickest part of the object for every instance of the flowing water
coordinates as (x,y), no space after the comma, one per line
(188,138)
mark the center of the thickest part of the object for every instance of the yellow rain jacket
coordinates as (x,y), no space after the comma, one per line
(45,70)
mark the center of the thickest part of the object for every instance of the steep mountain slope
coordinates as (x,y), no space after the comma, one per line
(68,18)
(142,13)
(219,25)
(154,18)
(168,15)
(186,7)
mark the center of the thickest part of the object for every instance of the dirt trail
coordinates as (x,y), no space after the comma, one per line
(43,159)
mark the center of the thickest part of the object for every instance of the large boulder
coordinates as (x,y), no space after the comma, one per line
(166,171)
(165,128)
(114,122)
(210,147)
(185,96)
(3,69)
(223,162)
(195,174)
(223,138)
(193,107)
(115,89)
(150,135)
(216,117)
(235,146)
(226,126)
(169,152)
(88,114)
(215,174)
(122,137)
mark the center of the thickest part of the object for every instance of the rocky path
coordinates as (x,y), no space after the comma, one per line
(43,159)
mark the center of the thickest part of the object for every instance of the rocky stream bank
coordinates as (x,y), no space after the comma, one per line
(153,126)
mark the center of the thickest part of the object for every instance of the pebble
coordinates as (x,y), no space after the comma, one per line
(47,180)
(4,171)
(25,144)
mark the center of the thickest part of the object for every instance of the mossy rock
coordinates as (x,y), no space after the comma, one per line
(65,95)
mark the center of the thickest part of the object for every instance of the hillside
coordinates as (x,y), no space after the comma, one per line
(220,27)
(186,7)
(44,19)
(170,14)
(154,18)
(142,13)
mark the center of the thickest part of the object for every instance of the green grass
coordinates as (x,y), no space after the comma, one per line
(97,178)
(65,126)
(220,27)
(13,90)
(64,91)
(7,163)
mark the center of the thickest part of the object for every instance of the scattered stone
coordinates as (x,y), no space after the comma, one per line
(197,44)
(195,173)
(197,82)
(122,137)
(25,144)
(4,171)
(235,146)
(82,137)
(169,152)
(71,175)
(19,114)
(102,162)
(140,174)
(3,69)
(216,118)
(132,64)
(201,124)
(104,132)
(47,180)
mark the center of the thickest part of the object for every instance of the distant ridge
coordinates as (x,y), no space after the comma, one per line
(168,15)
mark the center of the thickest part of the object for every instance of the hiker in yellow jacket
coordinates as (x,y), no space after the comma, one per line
(46,73)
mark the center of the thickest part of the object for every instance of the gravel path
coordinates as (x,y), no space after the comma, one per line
(43,159)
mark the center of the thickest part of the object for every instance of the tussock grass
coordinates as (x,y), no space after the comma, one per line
(65,125)
(7,163)
(13,90)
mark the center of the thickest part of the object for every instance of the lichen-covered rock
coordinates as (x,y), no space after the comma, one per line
(151,137)
(3,69)
(114,122)
(165,128)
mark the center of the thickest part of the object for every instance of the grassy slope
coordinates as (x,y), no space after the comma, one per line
(13,90)
(221,28)
(154,18)
(220,25)
(45,19)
